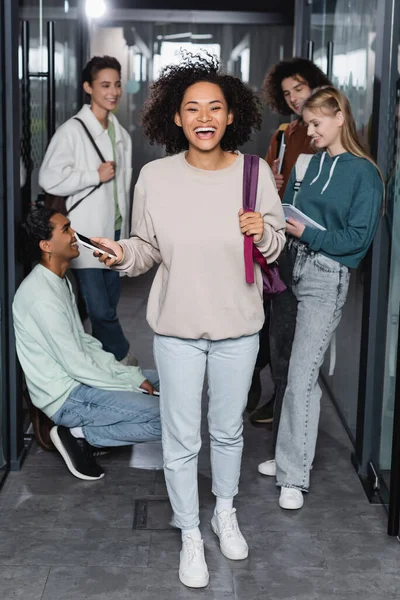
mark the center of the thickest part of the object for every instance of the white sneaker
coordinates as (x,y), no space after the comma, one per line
(232,543)
(268,468)
(291,498)
(193,571)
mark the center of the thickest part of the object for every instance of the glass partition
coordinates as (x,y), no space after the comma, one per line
(393,314)
(143,48)
(40,112)
(3,396)
(344,32)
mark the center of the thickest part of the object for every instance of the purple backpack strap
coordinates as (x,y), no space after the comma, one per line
(250,184)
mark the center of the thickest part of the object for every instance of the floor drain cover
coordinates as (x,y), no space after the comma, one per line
(152,513)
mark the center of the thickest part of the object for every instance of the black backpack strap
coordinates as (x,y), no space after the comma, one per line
(84,197)
(103,160)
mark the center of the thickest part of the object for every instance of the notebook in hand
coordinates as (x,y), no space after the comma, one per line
(294,213)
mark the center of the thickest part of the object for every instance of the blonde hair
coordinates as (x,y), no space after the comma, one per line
(329,98)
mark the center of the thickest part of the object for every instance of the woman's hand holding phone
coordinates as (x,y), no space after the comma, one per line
(109,261)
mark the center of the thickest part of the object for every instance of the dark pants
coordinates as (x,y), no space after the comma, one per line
(264,353)
(101,290)
(281,334)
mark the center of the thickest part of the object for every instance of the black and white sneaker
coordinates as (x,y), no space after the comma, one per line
(81,464)
(92,451)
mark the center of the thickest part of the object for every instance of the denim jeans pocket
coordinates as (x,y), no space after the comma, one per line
(325,264)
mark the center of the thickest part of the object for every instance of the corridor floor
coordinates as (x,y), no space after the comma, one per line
(65,539)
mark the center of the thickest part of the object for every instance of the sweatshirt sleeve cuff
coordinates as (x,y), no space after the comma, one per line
(121,266)
(92,178)
(308,235)
(137,377)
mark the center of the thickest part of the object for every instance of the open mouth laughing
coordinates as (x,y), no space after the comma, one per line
(205,133)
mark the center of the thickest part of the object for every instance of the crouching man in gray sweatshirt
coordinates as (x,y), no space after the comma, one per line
(84,390)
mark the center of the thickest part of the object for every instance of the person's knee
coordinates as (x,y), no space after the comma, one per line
(100,312)
(226,436)
(184,448)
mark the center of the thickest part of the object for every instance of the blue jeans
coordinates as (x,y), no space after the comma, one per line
(101,289)
(112,418)
(181,365)
(320,286)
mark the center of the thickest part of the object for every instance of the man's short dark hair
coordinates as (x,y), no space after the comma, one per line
(272,86)
(36,227)
(97,64)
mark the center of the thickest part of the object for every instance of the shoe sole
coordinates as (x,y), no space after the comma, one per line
(290,507)
(192,582)
(226,553)
(55,438)
(266,474)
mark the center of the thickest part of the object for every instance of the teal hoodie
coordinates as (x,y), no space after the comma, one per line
(344,194)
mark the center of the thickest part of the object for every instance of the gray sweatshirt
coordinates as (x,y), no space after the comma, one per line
(187,219)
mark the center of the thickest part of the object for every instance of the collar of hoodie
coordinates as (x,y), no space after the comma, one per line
(331,171)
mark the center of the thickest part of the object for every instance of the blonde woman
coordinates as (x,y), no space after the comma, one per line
(342,191)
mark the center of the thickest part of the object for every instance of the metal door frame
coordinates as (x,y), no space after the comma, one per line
(13,208)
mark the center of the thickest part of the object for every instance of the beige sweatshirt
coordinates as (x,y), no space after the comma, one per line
(187,219)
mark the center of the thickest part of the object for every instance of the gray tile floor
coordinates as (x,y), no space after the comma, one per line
(63,539)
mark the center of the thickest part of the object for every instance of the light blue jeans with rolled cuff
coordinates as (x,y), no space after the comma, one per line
(111,417)
(320,285)
(181,365)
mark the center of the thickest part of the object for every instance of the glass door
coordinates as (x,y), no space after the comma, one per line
(343,38)
(389,457)
(144,47)
(4,450)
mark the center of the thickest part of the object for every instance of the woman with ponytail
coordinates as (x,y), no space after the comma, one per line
(342,191)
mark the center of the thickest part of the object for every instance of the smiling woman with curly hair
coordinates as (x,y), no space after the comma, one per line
(166,96)
(187,216)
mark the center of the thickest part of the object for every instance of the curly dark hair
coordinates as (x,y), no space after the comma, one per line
(166,96)
(272,86)
(36,227)
(97,64)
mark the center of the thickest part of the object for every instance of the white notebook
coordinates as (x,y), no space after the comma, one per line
(295,213)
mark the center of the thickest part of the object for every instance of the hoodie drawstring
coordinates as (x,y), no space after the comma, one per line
(330,174)
(321,162)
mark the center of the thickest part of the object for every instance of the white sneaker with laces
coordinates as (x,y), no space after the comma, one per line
(193,571)
(291,498)
(268,468)
(232,543)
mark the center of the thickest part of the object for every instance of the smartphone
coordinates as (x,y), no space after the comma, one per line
(85,241)
(146,392)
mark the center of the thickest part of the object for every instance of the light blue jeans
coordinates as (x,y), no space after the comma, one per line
(181,366)
(320,285)
(112,418)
